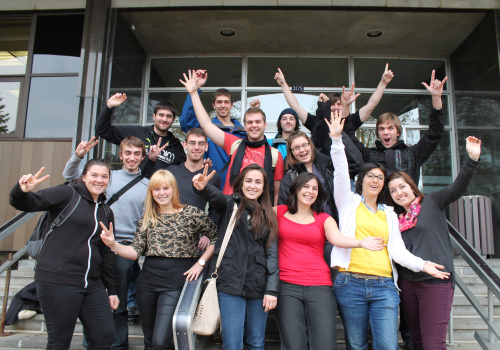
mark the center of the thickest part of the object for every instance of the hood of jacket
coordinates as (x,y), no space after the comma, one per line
(81,188)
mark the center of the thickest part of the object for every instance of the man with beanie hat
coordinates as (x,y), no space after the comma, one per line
(288,122)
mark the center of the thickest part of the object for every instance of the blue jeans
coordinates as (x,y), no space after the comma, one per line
(243,320)
(368,300)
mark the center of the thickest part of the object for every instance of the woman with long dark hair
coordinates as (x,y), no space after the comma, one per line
(248,277)
(422,221)
(366,286)
(75,271)
(168,236)
(305,295)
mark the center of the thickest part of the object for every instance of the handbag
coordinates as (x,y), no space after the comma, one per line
(207,317)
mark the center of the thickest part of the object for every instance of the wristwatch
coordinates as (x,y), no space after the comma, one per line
(202,262)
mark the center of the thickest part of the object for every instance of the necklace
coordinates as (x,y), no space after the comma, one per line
(297,218)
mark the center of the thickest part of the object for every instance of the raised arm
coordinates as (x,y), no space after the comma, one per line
(187,119)
(339,240)
(290,98)
(212,131)
(436,90)
(71,170)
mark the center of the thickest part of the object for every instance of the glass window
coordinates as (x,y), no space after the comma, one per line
(130,111)
(222,71)
(58,43)
(412,109)
(314,72)
(14,40)
(52,107)
(408,74)
(474,110)
(9,101)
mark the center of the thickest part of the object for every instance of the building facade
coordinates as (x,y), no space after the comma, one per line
(60,61)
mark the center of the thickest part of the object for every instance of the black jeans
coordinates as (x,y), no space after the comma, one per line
(156,309)
(62,305)
(313,307)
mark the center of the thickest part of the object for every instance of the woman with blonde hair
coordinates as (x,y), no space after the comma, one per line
(168,236)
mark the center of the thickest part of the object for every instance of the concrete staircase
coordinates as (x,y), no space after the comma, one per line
(29,334)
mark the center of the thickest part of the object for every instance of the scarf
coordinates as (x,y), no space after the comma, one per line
(268,161)
(409,220)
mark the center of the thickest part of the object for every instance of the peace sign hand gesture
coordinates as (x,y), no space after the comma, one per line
(200,180)
(28,182)
(155,150)
(107,236)
(337,124)
(84,147)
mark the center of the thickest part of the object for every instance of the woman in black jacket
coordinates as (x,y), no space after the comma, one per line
(74,268)
(248,277)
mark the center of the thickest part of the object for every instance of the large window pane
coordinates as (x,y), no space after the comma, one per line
(412,109)
(222,71)
(14,40)
(317,72)
(9,98)
(52,107)
(58,43)
(408,74)
(477,110)
(130,111)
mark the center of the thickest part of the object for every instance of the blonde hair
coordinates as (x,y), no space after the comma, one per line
(159,178)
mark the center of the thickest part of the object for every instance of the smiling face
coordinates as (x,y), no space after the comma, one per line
(195,147)
(308,194)
(372,184)
(401,193)
(301,150)
(131,158)
(163,118)
(222,106)
(336,106)
(288,123)
(96,179)
(388,134)
(253,184)
(255,126)
(162,195)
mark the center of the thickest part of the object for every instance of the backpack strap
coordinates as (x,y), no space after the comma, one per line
(274,154)
(66,212)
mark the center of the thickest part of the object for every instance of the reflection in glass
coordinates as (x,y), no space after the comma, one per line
(9,98)
(58,43)
(318,72)
(52,107)
(14,40)
(412,109)
(477,110)
(222,71)
(130,111)
(408,74)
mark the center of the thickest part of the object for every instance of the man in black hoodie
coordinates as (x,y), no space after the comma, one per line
(171,150)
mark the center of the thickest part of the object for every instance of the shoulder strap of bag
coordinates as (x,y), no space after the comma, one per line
(124,189)
(227,236)
(65,213)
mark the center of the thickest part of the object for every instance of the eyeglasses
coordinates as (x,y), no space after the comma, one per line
(371,176)
(194,143)
(297,148)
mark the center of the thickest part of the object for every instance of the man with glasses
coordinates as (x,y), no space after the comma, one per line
(170,147)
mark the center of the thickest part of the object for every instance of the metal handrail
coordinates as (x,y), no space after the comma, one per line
(487,340)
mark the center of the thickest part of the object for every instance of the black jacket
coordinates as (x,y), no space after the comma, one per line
(248,268)
(172,154)
(74,253)
(324,165)
(400,156)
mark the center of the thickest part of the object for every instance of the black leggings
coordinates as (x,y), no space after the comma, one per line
(156,309)
(62,305)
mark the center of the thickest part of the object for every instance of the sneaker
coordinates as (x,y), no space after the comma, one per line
(408,343)
(133,312)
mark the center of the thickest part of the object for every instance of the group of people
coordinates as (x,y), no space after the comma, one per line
(322,222)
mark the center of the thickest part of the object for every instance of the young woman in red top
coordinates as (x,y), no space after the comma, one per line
(305,293)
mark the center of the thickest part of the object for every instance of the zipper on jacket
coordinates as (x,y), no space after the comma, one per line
(88,244)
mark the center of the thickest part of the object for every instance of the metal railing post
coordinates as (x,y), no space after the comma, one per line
(491,315)
(450,328)
(5,299)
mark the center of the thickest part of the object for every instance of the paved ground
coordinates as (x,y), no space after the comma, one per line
(38,341)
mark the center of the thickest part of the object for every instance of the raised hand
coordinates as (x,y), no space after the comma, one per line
(255,102)
(388,75)
(107,235)
(200,180)
(337,124)
(473,147)
(190,82)
(200,76)
(28,182)
(323,98)
(436,86)
(116,100)
(372,243)
(348,97)
(432,269)
(280,78)
(155,150)
(84,147)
